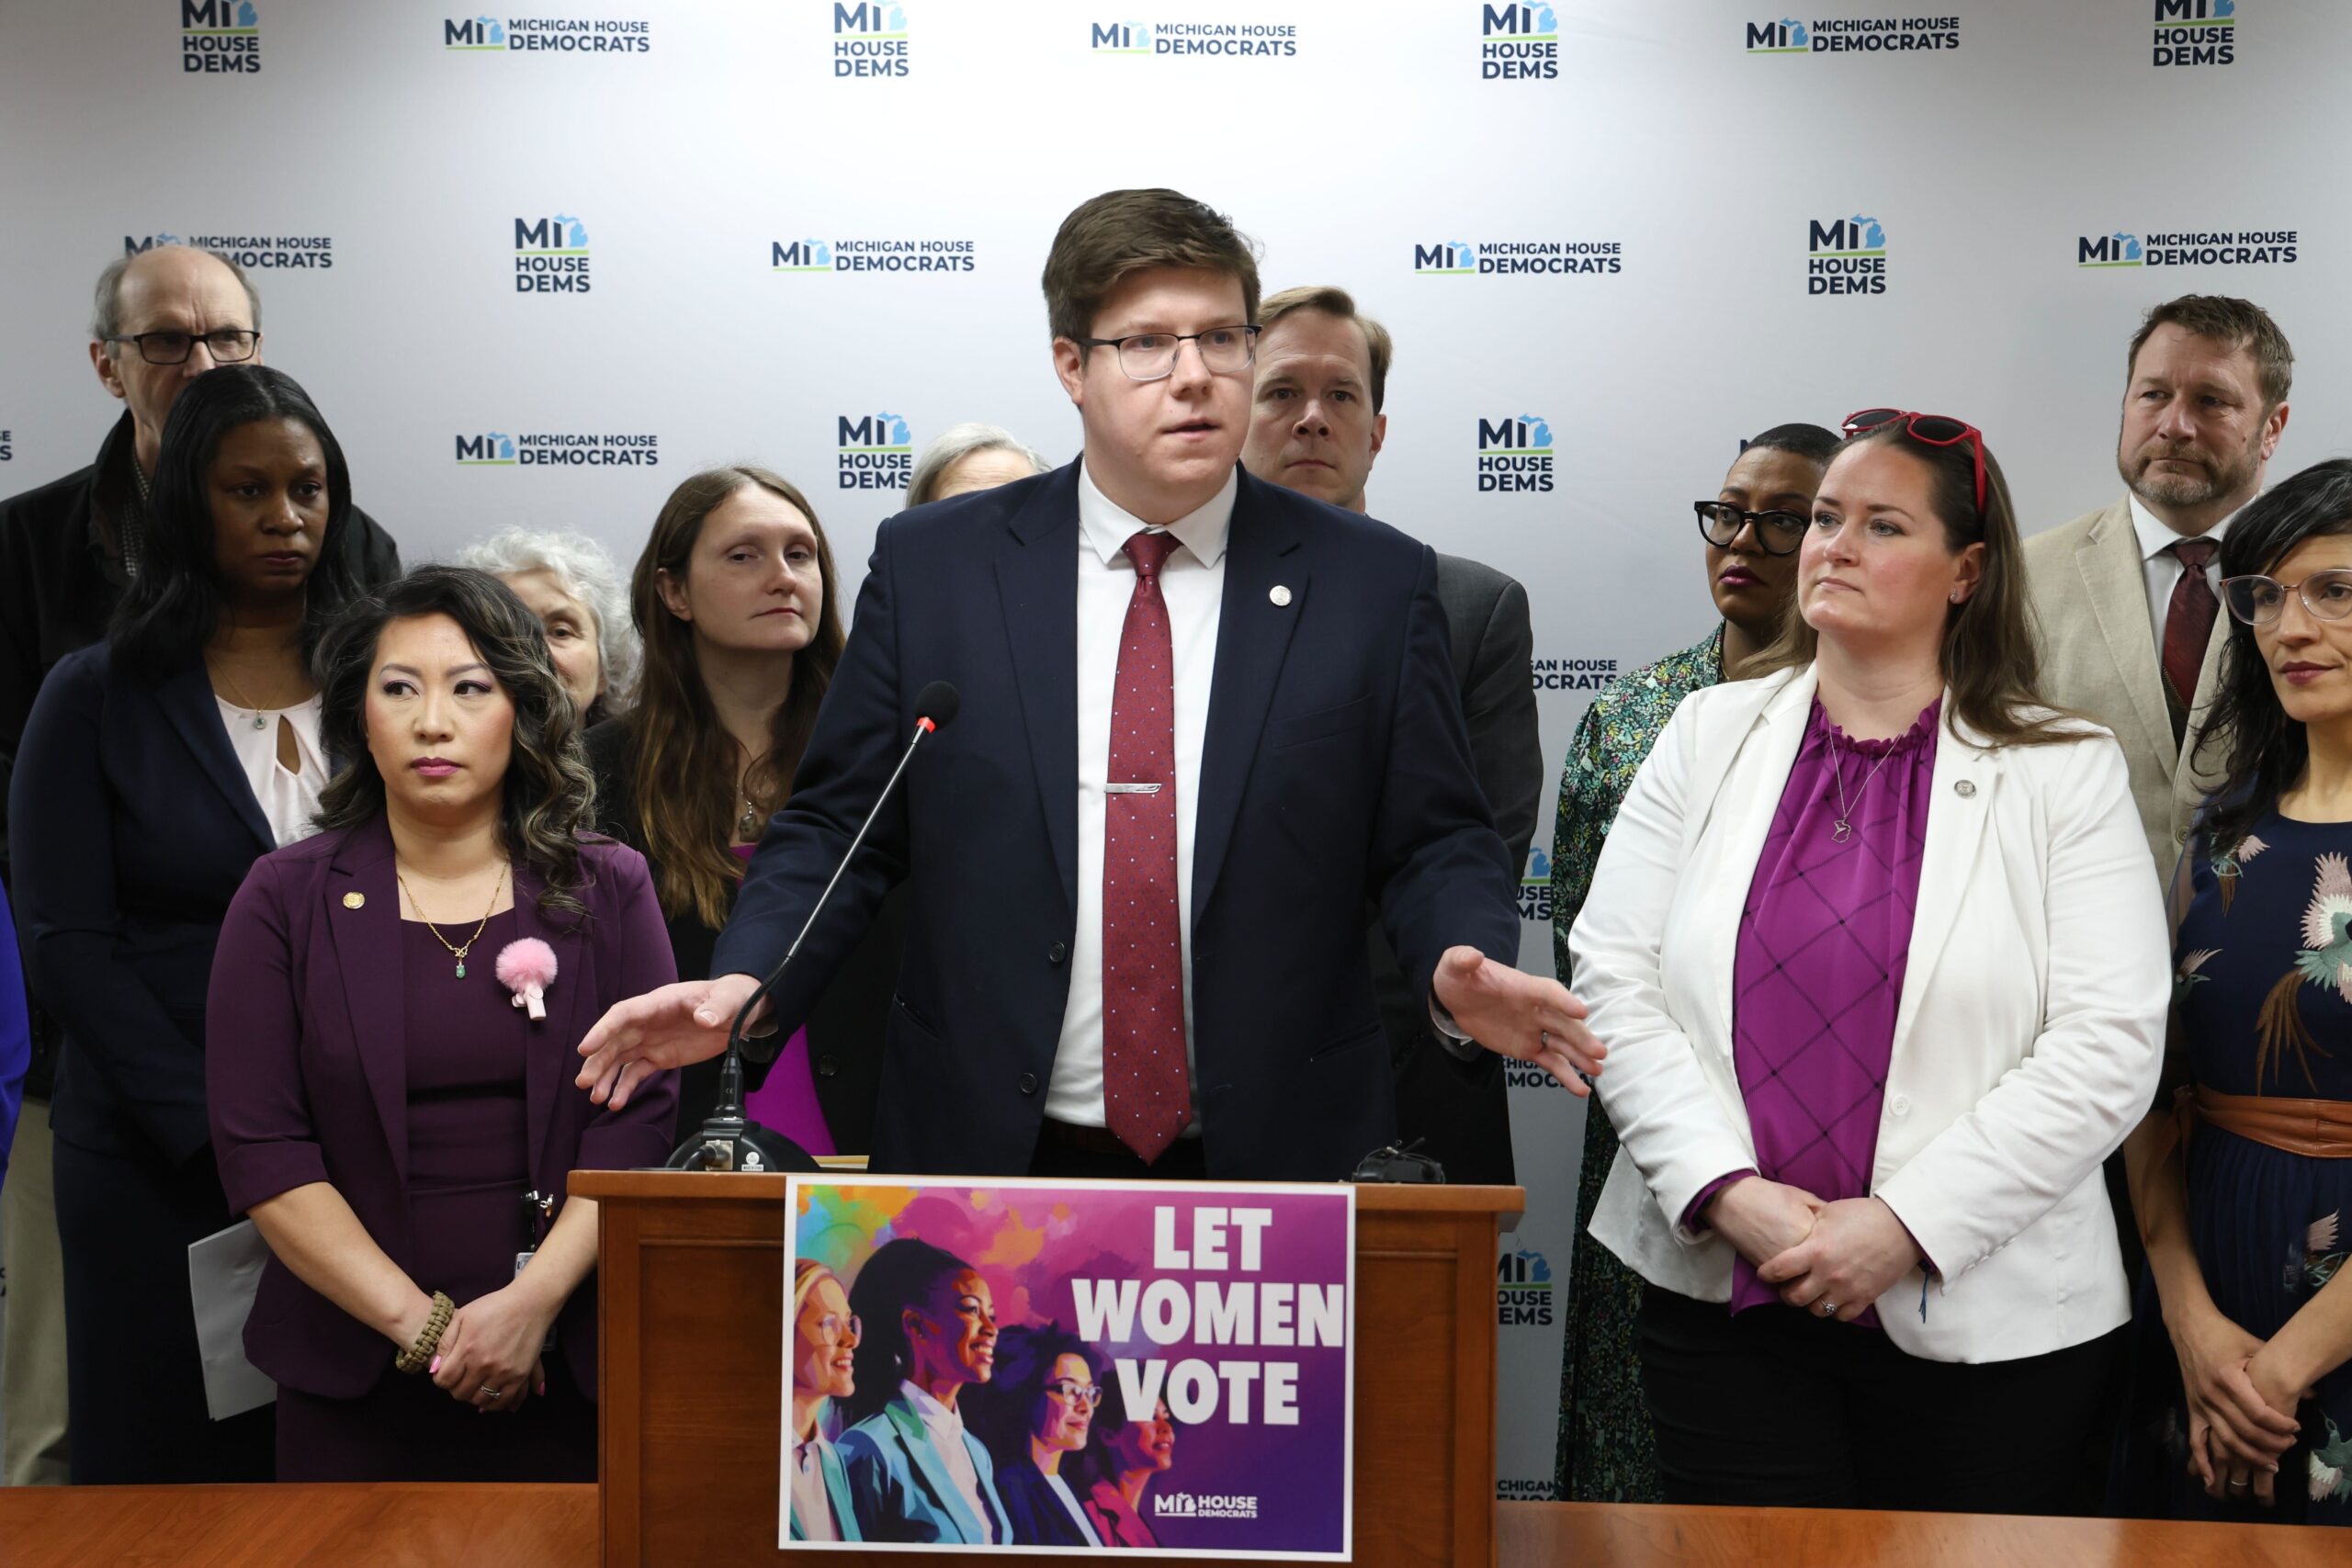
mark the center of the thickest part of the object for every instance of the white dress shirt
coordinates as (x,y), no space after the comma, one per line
(1191,583)
(812,1506)
(288,801)
(945,1428)
(2162,568)
(1069,1500)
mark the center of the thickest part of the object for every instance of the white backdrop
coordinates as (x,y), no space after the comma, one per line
(1697,146)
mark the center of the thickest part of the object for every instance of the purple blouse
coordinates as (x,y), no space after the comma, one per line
(1824,942)
(787,1100)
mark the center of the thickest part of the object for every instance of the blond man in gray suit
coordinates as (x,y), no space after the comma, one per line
(2131,635)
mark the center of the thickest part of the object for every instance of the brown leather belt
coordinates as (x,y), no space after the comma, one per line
(2317,1129)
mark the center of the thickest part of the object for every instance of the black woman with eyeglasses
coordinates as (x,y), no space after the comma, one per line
(1751,528)
(2242,1185)
(1036,1416)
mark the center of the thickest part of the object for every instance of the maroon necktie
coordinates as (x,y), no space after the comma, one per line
(1146,1093)
(2188,622)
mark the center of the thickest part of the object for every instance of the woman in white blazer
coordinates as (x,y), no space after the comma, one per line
(1880,961)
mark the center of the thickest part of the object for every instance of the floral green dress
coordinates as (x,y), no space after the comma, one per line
(1607,1452)
(2262,976)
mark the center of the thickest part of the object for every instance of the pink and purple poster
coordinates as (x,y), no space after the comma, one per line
(1061,1366)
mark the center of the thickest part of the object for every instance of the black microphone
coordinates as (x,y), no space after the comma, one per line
(729,1139)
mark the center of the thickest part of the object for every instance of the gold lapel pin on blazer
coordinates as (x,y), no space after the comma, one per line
(353,900)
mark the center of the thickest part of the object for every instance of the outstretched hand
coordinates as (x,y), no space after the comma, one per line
(666,1028)
(1518,1015)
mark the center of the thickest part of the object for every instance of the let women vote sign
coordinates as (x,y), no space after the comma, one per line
(1071,1367)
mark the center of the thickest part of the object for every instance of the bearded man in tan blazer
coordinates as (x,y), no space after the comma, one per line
(2131,631)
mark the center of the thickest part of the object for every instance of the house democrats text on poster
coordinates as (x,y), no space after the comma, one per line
(1069,1366)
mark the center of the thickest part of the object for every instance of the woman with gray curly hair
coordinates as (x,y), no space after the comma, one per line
(573,586)
(971,456)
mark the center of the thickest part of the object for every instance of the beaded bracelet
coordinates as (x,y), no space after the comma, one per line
(419,1355)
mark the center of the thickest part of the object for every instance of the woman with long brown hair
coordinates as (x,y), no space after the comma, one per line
(734,598)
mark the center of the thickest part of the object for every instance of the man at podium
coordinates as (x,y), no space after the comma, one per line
(1203,718)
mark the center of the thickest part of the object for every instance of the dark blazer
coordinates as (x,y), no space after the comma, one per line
(1037,1515)
(1335,767)
(309,1070)
(1460,1109)
(844,1028)
(133,827)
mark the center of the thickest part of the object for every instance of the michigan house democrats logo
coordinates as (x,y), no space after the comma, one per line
(878,451)
(7,446)
(1523,1289)
(2196,32)
(1845,255)
(550,255)
(1501,258)
(220,36)
(1514,454)
(249,251)
(558,449)
(1255,40)
(2222,247)
(1852,35)
(1203,1505)
(874,255)
(870,38)
(545,35)
(1571,674)
(1535,886)
(1519,43)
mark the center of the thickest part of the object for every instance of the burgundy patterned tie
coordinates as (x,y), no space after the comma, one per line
(2189,621)
(1146,1093)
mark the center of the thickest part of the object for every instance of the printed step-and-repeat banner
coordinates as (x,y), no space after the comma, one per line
(538,267)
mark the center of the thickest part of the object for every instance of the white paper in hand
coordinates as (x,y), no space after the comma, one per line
(223,1272)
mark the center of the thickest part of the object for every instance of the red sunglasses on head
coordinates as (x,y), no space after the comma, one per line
(1933,429)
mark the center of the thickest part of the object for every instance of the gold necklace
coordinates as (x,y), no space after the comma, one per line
(747,827)
(458,952)
(238,692)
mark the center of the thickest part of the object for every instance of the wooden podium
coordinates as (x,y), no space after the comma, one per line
(690,1352)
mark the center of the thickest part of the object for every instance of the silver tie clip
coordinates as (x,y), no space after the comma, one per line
(1131,789)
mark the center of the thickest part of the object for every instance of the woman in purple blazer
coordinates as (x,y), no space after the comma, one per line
(391,1104)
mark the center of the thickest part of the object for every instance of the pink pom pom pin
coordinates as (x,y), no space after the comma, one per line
(527,968)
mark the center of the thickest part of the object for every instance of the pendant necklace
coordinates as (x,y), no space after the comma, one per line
(747,827)
(454,952)
(1843,828)
(238,692)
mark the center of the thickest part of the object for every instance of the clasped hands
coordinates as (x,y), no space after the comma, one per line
(489,1356)
(2240,1400)
(1829,1258)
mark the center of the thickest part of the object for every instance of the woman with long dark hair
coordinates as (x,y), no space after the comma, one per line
(1125,1453)
(734,597)
(156,767)
(2245,1321)
(927,1325)
(1035,1415)
(391,1010)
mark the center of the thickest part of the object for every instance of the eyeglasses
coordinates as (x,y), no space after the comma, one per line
(2258,600)
(1934,429)
(1151,356)
(834,1329)
(1780,533)
(1070,1392)
(227,346)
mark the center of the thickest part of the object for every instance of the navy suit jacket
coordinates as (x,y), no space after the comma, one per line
(131,826)
(309,1070)
(1335,769)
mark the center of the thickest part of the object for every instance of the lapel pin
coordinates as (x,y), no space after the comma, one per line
(353,900)
(1279,595)
(1963,789)
(527,968)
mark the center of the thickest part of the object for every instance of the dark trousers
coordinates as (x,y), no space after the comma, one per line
(1778,1408)
(1094,1154)
(134,1378)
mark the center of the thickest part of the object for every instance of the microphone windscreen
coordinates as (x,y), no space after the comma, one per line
(937,703)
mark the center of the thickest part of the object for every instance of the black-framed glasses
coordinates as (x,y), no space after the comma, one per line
(228,346)
(1070,1392)
(2258,600)
(1151,356)
(1779,533)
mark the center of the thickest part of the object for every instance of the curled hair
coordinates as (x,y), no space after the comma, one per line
(901,1274)
(1006,1411)
(172,609)
(686,759)
(1990,659)
(959,442)
(547,799)
(582,569)
(2265,751)
(1121,231)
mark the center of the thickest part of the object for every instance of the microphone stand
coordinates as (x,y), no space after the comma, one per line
(724,1142)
